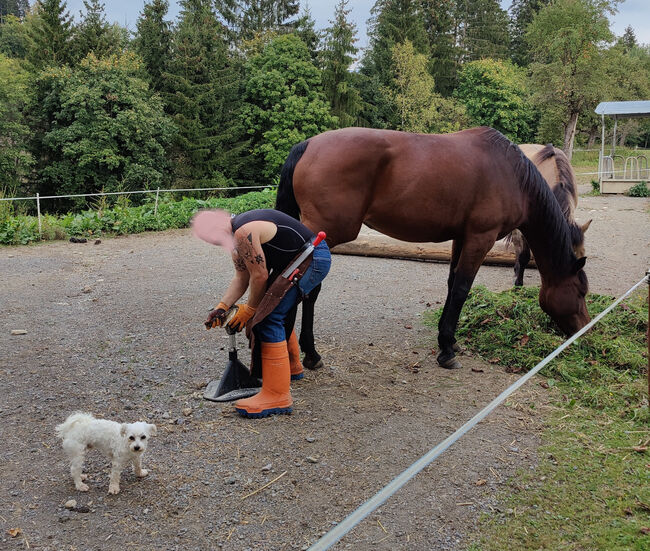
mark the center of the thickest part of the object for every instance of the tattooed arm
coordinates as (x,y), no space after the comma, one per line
(250,267)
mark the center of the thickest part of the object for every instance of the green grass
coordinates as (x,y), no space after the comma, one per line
(121,219)
(591,489)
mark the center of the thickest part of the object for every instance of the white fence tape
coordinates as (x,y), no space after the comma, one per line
(354,518)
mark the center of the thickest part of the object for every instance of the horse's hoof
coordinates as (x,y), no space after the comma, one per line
(449,362)
(313,363)
(455,347)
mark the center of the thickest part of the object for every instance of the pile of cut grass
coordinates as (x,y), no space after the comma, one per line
(591,489)
(510,329)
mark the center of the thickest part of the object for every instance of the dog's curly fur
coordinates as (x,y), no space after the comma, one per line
(122,443)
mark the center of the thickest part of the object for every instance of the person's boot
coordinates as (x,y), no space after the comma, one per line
(297,371)
(275,396)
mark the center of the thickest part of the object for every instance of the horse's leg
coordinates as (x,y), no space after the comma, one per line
(470,256)
(312,359)
(522,260)
(456,248)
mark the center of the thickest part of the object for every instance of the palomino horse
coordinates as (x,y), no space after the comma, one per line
(473,187)
(556,169)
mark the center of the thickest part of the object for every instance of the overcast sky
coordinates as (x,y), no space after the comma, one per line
(631,12)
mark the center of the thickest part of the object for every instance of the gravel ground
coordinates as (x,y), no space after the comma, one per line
(115,329)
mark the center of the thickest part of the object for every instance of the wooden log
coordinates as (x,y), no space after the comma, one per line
(385,247)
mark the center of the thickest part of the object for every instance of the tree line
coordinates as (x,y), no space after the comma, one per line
(217,97)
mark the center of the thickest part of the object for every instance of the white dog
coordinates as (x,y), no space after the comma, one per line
(121,443)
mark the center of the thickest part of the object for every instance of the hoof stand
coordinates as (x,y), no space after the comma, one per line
(264,412)
(297,376)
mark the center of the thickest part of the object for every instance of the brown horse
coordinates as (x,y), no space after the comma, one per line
(473,187)
(556,169)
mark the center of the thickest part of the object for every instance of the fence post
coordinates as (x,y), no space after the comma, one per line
(38,210)
(155,208)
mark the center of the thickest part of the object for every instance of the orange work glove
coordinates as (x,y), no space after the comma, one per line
(241,318)
(217,316)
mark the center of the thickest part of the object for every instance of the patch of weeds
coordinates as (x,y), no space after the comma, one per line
(591,489)
(639,190)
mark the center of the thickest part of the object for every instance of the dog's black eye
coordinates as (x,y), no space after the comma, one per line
(131,437)
(142,437)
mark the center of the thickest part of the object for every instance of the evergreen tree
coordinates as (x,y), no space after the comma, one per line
(482,29)
(629,39)
(522,14)
(247,18)
(17,8)
(439,26)
(51,34)
(393,22)
(306,30)
(338,54)
(153,41)
(204,88)
(263,15)
(95,35)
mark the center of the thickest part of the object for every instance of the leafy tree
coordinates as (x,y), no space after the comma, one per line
(523,12)
(15,161)
(495,94)
(418,106)
(106,130)
(17,8)
(14,40)
(569,68)
(338,54)
(482,29)
(50,32)
(204,88)
(153,41)
(284,102)
(94,34)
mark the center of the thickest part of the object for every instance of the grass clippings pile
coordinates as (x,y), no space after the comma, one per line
(591,489)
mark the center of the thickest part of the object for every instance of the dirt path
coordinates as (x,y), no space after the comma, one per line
(115,329)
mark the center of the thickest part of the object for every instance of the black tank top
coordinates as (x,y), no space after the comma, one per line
(289,239)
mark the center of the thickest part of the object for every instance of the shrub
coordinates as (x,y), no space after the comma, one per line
(123,219)
(639,190)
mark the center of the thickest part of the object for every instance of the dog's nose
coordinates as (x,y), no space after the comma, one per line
(136,448)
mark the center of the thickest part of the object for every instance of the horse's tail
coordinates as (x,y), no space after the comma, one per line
(286,200)
(565,189)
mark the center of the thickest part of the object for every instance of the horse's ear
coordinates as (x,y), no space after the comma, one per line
(585,226)
(580,264)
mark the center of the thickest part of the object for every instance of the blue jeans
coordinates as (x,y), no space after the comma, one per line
(271,328)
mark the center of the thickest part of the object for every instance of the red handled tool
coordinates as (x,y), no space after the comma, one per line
(292,269)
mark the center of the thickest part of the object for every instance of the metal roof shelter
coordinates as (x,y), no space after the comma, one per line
(635,167)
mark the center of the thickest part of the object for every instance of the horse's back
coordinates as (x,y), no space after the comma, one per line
(415,187)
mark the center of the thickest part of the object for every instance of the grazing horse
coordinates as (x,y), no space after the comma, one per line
(473,187)
(556,169)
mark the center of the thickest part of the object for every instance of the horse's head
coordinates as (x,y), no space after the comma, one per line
(564,299)
(578,238)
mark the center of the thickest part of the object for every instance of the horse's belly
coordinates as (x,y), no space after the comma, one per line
(407,230)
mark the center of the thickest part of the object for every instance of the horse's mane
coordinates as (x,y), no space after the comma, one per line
(545,211)
(564,189)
